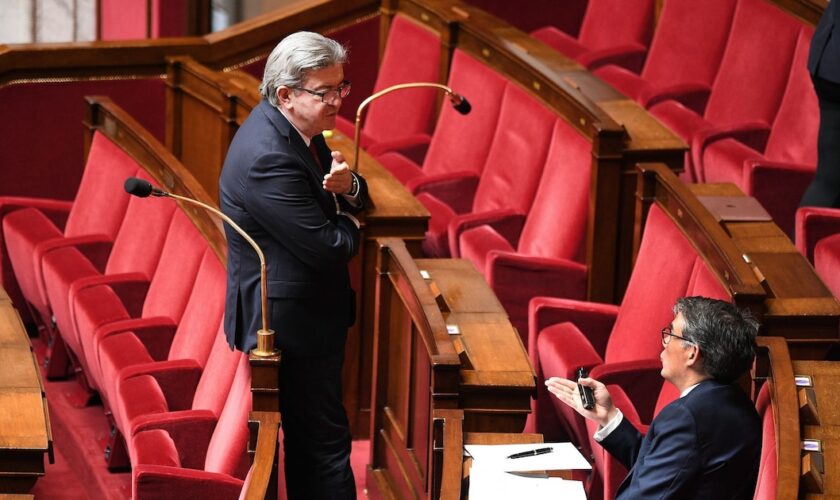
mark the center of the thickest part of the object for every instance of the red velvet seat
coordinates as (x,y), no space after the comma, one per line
(612,32)
(545,258)
(677,66)
(135,254)
(165,389)
(105,305)
(191,339)
(405,118)
(133,19)
(567,334)
(508,181)
(827,262)
(461,142)
(812,225)
(733,107)
(779,176)
(195,455)
(93,220)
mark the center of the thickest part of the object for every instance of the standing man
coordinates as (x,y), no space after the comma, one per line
(824,66)
(295,198)
(707,443)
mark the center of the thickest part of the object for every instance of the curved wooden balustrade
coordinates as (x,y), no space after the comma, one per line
(751,256)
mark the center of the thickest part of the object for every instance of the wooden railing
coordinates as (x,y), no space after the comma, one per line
(442,342)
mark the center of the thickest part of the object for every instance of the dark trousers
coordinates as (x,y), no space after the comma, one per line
(315,429)
(824,191)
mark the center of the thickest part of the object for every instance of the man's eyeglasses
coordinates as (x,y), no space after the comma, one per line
(666,336)
(329,96)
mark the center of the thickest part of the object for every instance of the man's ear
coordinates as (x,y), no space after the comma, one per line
(693,355)
(284,97)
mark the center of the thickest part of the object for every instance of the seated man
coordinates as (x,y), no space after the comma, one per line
(707,443)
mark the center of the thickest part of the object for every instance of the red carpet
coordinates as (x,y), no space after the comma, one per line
(79,434)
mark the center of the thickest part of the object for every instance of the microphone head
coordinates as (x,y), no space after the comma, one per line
(461,104)
(138,187)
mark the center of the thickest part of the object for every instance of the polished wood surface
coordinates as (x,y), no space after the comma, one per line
(757,263)
(422,365)
(25,434)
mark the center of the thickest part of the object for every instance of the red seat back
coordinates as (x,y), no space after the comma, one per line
(755,67)
(608,23)
(675,56)
(217,376)
(563,193)
(517,154)
(412,54)
(462,142)
(765,488)
(227,451)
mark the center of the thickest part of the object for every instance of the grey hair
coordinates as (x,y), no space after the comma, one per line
(294,57)
(724,333)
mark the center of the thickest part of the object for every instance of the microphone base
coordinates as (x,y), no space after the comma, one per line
(265,344)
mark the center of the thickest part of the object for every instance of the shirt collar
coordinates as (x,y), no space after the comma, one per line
(688,389)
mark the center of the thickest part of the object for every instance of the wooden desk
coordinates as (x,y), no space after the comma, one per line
(25,433)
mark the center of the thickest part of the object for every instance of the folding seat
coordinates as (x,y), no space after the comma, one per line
(827,262)
(461,142)
(744,111)
(567,334)
(149,308)
(812,225)
(92,221)
(677,67)
(779,176)
(612,32)
(192,338)
(404,119)
(195,455)
(159,390)
(509,179)
(134,255)
(545,258)
(641,411)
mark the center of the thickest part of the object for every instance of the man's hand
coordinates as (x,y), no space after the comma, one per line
(567,392)
(339,180)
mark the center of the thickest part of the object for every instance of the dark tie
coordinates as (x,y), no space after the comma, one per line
(314,150)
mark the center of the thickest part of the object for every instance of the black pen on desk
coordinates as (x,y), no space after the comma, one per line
(532,453)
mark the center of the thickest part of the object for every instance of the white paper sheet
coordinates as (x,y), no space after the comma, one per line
(564,456)
(490,483)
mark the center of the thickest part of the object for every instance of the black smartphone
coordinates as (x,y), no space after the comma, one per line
(587,399)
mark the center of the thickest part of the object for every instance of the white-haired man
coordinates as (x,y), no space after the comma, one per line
(295,197)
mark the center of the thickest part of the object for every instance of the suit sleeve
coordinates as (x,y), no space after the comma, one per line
(673,460)
(281,200)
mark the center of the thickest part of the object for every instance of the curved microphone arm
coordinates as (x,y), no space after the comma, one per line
(458,101)
(265,336)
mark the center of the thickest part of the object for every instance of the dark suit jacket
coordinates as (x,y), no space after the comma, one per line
(271,186)
(704,445)
(824,57)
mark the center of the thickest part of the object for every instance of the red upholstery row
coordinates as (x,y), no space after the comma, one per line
(137,295)
(744,102)
(818,239)
(619,345)
(496,183)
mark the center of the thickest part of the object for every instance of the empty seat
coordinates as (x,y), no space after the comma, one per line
(405,118)
(196,456)
(134,255)
(677,66)
(827,262)
(750,56)
(92,222)
(163,390)
(612,32)
(545,258)
(510,176)
(567,334)
(151,309)
(460,142)
(192,339)
(778,175)
(812,225)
